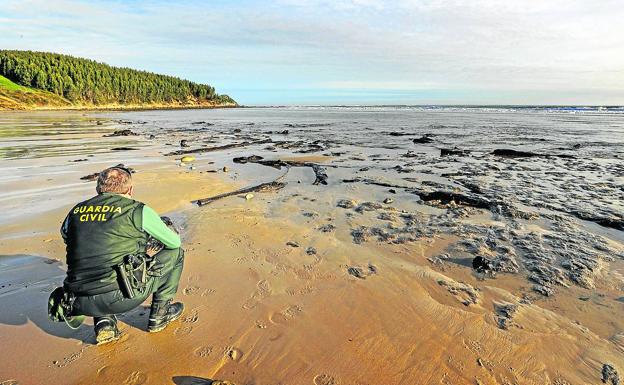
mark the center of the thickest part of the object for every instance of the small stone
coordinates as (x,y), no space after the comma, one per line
(388,201)
(346,203)
(328,228)
(357,272)
(249,196)
(225,169)
(292,244)
(610,375)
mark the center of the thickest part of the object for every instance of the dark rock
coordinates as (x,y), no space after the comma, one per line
(362,272)
(505,313)
(184,143)
(423,140)
(368,206)
(453,151)
(327,228)
(446,197)
(614,222)
(465,293)
(292,244)
(311,251)
(217,148)
(90,177)
(382,235)
(126,132)
(481,264)
(320,173)
(359,235)
(509,153)
(610,375)
(247,159)
(124,149)
(402,169)
(346,203)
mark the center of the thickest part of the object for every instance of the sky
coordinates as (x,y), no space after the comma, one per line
(294,52)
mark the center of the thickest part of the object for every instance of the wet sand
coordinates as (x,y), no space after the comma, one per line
(274,294)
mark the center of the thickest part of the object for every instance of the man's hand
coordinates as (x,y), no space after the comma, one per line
(153,244)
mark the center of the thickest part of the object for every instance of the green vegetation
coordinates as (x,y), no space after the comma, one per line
(9,85)
(16,97)
(84,82)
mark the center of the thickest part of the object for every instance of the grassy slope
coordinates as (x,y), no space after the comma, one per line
(16,97)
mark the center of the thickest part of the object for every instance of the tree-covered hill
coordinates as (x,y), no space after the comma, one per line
(84,82)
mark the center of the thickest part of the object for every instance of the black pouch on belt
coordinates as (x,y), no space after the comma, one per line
(132,274)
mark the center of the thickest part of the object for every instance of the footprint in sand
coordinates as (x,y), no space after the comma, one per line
(300,291)
(191,290)
(286,314)
(192,317)
(207,291)
(262,291)
(324,379)
(183,330)
(203,351)
(233,353)
(136,378)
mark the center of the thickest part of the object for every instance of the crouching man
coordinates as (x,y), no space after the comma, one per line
(108,268)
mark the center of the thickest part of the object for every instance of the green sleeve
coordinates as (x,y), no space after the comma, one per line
(154,226)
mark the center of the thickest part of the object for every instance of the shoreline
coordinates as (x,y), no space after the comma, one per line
(124,108)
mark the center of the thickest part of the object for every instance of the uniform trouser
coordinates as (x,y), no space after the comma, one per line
(163,285)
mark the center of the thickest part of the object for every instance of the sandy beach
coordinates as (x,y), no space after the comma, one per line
(366,280)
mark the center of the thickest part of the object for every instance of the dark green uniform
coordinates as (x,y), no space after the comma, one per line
(99,233)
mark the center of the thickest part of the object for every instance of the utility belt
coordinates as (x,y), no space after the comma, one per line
(134,274)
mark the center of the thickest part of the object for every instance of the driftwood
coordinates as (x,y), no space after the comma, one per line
(217,148)
(264,187)
(319,171)
(509,153)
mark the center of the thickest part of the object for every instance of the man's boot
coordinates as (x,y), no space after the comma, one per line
(106,329)
(163,313)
